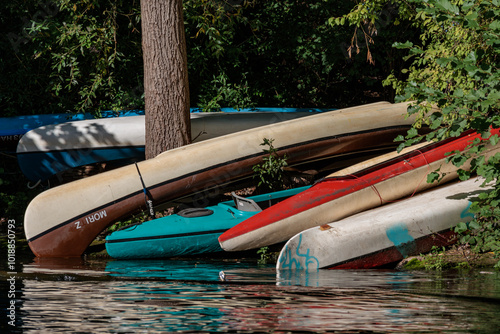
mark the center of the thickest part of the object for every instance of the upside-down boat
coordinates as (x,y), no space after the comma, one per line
(48,150)
(13,128)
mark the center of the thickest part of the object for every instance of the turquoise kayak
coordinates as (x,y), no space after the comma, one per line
(190,231)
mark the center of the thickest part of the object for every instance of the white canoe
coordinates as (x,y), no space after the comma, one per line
(63,221)
(48,150)
(386,234)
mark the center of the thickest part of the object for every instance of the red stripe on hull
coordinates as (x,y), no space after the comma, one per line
(394,254)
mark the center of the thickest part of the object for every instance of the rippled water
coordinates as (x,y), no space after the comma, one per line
(177,296)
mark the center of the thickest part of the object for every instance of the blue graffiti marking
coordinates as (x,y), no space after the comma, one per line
(288,260)
(401,238)
(466,213)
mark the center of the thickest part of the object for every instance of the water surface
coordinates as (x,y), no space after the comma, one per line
(159,296)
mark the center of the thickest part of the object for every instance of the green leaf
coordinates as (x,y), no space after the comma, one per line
(447,6)
(432,177)
(399,138)
(463,175)
(461,227)
(495,25)
(473,225)
(442,61)
(405,45)
(412,133)
(494,140)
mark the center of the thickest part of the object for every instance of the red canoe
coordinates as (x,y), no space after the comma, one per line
(337,197)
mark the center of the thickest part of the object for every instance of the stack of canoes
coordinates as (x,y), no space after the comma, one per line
(330,215)
(48,150)
(384,180)
(63,221)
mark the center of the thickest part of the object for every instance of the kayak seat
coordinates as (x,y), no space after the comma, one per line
(195,212)
(245,204)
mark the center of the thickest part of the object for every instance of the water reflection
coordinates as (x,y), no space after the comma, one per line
(192,270)
(187,296)
(348,278)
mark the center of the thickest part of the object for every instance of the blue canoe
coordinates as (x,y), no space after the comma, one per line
(189,232)
(13,128)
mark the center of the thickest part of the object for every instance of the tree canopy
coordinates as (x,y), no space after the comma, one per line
(85,56)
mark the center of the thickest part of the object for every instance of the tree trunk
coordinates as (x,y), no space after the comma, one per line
(166,86)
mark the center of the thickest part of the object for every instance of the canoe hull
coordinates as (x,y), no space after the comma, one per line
(12,129)
(383,235)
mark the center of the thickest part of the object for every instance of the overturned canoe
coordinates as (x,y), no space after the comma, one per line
(384,235)
(13,128)
(48,150)
(63,221)
(337,197)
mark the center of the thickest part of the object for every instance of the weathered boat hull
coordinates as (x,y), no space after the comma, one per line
(13,128)
(63,221)
(52,149)
(384,235)
(337,197)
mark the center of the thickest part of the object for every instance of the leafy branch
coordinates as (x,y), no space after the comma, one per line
(270,173)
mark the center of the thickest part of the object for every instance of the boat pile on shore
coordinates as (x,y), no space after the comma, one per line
(375,209)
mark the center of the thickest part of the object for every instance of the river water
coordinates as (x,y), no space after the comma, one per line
(162,296)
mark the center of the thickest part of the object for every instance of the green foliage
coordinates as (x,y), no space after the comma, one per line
(454,66)
(76,55)
(220,93)
(85,50)
(264,255)
(217,35)
(270,172)
(456,69)
(435,259)
(278,53)
(86,55)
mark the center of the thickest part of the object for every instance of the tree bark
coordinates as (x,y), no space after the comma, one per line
(166,88)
